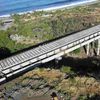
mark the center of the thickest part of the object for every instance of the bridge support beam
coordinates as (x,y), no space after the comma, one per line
(98,47)
(57,62)
(92,48)
(87,49)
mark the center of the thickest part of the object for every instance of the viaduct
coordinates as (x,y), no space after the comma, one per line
(50,51)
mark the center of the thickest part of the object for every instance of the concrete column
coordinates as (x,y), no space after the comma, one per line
(87,49)
(92,49)
(57,62)
(98,47)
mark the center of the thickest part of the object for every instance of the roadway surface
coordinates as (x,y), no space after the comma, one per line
(37,53)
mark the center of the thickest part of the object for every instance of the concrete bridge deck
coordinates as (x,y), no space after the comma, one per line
(47,52)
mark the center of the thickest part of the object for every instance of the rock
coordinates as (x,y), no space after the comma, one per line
(41,86)
(23,40)
(45,89)
(16,37)
(48,69)
(66,76)
(90,81)
(36,77)
(17,96)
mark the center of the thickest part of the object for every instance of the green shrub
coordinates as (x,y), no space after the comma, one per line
(66,69)
(76,51)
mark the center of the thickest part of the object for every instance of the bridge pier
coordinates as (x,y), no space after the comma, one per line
(87,49)
(98,47)
(57,62)
(92,49)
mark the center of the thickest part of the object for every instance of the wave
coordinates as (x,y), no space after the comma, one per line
(51,6)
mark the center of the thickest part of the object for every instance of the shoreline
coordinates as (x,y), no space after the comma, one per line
(66,6)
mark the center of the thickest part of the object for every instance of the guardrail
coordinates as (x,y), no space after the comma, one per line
(47,52)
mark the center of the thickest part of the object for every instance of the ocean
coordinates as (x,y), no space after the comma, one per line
(8,7)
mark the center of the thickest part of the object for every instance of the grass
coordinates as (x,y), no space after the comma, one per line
(66,69)
(61,22)
(77,51)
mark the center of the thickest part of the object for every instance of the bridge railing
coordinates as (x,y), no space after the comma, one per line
(59,48)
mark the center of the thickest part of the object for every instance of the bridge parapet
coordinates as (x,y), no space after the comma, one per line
(48,52)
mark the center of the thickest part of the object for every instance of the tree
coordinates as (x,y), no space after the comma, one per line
(4,52)
(1,23)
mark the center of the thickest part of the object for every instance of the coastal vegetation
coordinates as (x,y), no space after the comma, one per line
(71,80)
(74,77)
(33,28)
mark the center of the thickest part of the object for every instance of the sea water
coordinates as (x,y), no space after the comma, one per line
(8,7)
